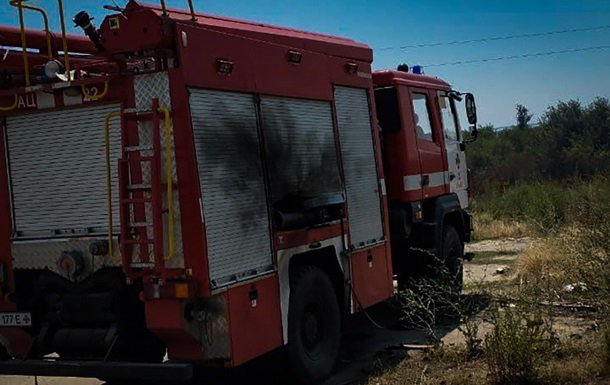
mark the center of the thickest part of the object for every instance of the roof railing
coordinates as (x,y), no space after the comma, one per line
(191,9)
(19,4)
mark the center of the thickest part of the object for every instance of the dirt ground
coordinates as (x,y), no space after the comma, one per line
(493,258)
(365,345)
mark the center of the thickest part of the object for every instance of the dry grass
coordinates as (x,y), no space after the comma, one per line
(488,227)
(578,362)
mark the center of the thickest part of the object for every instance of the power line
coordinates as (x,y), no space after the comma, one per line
(497,38)
(599,48)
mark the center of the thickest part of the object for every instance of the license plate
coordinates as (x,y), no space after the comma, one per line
(15,319)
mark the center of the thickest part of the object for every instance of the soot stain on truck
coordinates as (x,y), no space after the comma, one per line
(231,160)
(301,161)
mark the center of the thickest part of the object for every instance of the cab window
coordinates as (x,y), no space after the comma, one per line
(449,117)
(421,116)
(386,101)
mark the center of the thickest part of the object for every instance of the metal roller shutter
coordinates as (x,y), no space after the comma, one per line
(232,185)
(301,153)
(58,170)
(361,179)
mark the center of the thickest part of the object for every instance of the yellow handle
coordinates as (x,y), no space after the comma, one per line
(63,38)
(19,4)
(109,184)
(169,178)
(95,97)
(10,108)
(24,46)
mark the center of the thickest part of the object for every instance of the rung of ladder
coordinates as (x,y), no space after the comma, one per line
(137,241)
(142,265)
(140,224)
(136,200)
(133,187)
(138,148)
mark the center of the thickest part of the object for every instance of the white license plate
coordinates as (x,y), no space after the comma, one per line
(15,319)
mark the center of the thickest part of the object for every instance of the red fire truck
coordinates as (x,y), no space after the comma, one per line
(179,188)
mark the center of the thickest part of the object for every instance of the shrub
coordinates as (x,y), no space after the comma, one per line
(521,339)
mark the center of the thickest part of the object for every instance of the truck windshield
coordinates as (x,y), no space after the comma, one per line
(451,125)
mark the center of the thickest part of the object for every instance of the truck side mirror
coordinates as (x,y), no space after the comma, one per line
(471,109)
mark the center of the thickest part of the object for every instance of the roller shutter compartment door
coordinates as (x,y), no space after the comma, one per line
(232,185)
(359,165)
(57,167)
(300,149)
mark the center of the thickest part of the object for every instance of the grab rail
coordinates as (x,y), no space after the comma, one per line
(45,18)
(191,9)
(109,183)
(19,4)
(169,180)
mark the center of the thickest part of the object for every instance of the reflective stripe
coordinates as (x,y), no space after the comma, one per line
(383,188)
(412,182)
(435,179)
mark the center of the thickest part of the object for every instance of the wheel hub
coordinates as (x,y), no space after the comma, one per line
(312,328)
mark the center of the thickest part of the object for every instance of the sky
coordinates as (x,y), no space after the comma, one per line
(535,82)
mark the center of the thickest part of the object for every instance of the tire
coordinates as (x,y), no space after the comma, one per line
(452,257)
(314,325)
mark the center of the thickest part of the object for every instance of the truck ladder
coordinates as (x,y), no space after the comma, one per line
(141,196)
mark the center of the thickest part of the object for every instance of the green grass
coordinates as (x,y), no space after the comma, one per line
(494,257)
(543,207)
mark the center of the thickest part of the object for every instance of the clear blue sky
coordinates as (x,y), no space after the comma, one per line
(534,82)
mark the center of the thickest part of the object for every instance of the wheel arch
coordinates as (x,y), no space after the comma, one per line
(326,256)
(449,212)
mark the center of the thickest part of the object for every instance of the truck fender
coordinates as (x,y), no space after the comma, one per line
(445,206)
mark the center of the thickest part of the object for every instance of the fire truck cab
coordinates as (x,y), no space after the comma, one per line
(208,190)
(424,160)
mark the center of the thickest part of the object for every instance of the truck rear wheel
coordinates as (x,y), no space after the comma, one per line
(314,325)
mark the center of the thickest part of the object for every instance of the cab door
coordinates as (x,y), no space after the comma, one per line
(430,145)
(456,156)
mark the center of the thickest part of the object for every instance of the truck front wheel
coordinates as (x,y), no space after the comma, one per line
(314,325)
(452,257)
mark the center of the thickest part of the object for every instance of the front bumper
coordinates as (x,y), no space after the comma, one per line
(172,371)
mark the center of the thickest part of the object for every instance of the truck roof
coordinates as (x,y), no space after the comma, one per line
(393,77)
(310,41)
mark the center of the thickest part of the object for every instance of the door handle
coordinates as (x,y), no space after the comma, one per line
(425,180)
(452,176)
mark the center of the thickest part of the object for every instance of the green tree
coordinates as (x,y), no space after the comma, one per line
(523,116)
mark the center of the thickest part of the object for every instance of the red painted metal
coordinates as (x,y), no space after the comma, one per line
(410,155)
(255,324)
(190,191)
(314,42)
(37,39)
(165,318)
(371,277)
(6,225)
(289,239)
